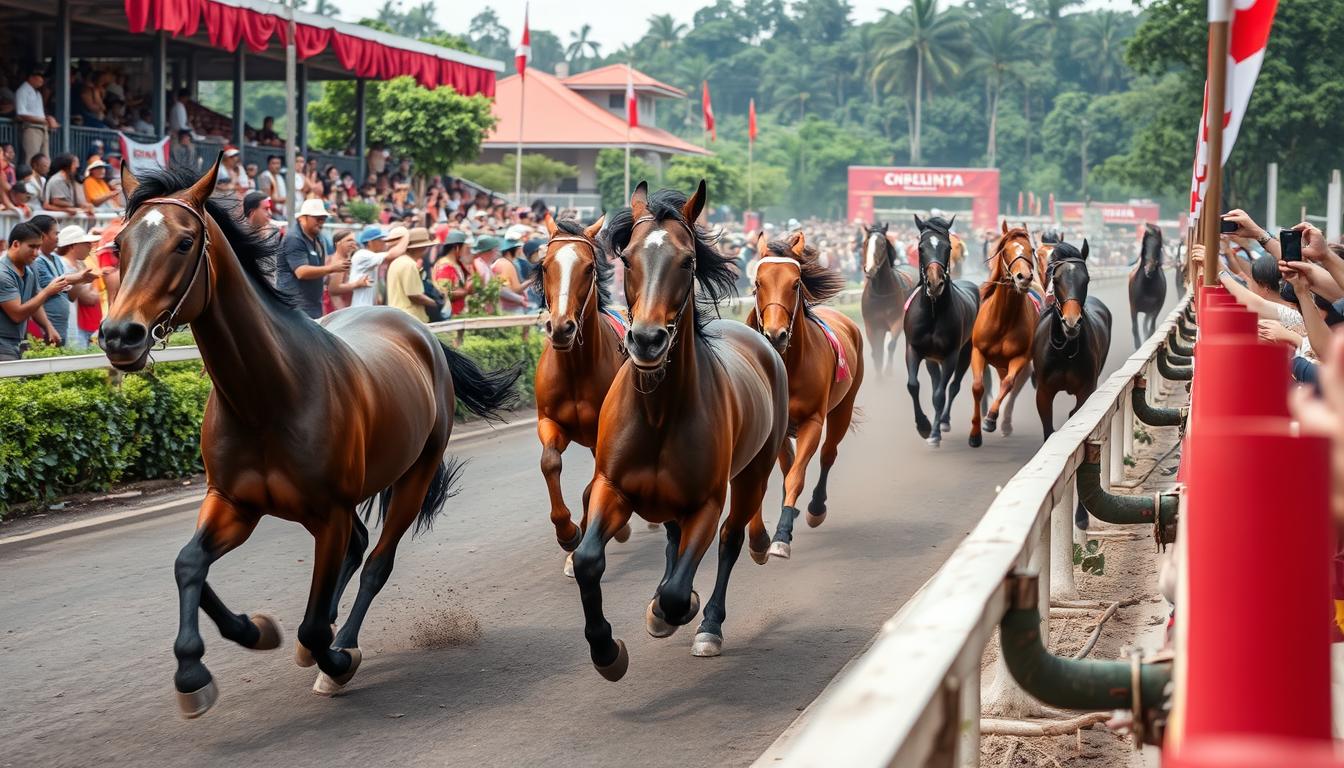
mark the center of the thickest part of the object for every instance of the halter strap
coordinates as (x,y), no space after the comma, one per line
(780,260)
(583,310)
(163,328)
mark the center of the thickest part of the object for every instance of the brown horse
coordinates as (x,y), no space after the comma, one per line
(822,384)
(956,264)
(886,287)
(701,405)
(305,420)
(580,361)
(1004,329)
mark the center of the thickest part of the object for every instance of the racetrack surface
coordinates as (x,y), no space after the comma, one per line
(474,653)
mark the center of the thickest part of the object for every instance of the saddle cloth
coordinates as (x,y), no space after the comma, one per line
(616,322)
(841,363)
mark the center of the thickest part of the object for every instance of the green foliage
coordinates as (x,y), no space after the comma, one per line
(611,176)
(484,297)
(539,172)
(1090,558)
(362,212)
(1142,436)
(492,176)
(724,181)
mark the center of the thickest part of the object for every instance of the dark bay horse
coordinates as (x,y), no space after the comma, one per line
(1147,285)
(581,358)
(823,353)
(938,324)
(1073,336)
(886,287)
(305,420)
(701,405)
(1004,328)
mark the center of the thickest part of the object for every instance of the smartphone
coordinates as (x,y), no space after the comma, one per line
(1227,226)
(1290,244)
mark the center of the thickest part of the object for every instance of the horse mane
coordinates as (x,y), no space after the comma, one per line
(606,270)
(257,253)
(939,223)
(820,284)
(1150,234)
(715,273)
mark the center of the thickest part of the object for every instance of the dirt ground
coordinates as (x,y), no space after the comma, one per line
(1130,577)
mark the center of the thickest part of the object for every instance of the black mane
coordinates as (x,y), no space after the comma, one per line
(258,253)
(606,270)
(819,283)
(1151,234)
(715,273)
(940,224)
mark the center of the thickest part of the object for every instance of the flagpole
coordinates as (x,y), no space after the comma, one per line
(518,158)
(750,144)
(629,79)
(1219,16)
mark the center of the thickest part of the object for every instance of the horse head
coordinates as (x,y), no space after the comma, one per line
(935,251)
(878,252)
(1015,258)
(1150,251)
(570,275)
(166,279)
(1069,280)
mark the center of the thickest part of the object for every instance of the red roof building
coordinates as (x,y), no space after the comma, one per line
(571,119)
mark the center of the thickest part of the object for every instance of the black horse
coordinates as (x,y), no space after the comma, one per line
(886,287)
(1147,285)
(938,324)
(1178,274)
(1072,336)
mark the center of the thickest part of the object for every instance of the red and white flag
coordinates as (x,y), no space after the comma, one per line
(708,109)
(631,101)
(751,121)
(1251,21)
(523,53)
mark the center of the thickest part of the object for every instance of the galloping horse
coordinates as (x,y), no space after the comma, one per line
(823,353)
(701,405)
(305,420)
(1003,329)
(1178,274)
(1147,285)
(580,361)
(938,322)
(885,290)
(1072,337)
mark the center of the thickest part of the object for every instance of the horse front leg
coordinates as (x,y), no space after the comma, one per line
(221,526)
(963,362)
(1019,382)
(1134,325)
(553,444)
(1008,385)
(912,360)
(608,511)
(653,621)
(878,336)
(1045,406)
(978,373)
(809,437)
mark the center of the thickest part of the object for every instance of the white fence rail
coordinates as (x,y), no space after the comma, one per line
(913,698)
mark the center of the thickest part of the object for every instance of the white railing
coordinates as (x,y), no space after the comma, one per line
(913,698)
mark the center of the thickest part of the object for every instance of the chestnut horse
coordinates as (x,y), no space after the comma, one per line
(938,324)
(305,420)
(701,405)
(580,361)
(823,353)
(1073,336)
(1147,285)
(885,289)
(1003,329)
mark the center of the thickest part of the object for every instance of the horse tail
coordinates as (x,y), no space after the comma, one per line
(441,488)
(484,393)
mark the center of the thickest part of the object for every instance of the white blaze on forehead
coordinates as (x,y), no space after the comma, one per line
(153,218)
(871,260)
(655,238)
(565,259)
(933,240)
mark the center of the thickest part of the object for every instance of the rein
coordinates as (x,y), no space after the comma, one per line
(1058,308)
(164,326)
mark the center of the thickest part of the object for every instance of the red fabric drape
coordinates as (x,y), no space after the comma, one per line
(178,17)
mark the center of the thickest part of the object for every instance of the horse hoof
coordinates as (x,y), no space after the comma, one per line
(655,625)
(271,634)
(760,558)
(1007,429)
(304,657)
(332,686)
(616,669)
(976,441)
(946,426)
(924,430)
(568,570)
(935,442)
(706,645)
(198,702)
(572,544)
(989,425)
(815,520)
(623,535)
(780,549)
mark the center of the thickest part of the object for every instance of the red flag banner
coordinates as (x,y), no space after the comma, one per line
(708,109)
(631,101)
(751,120)
(523,53)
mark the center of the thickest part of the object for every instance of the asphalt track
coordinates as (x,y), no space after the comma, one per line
(474,653)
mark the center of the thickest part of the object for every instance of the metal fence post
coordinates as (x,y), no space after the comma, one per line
(968,711)
(1114,445)
(1060,583)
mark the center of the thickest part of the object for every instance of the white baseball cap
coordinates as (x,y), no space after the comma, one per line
(74,235)
(314,206)
(518,232)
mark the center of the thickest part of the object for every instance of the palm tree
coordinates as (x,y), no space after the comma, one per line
(1001,45)
(664,30)
(321,8)
(1099,44)
(916,49)
(581,48)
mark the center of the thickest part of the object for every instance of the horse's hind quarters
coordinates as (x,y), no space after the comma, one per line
(618,667)
(198,702)
(780,549)
(270,634)
(707,644)
(325,685)
(304,657)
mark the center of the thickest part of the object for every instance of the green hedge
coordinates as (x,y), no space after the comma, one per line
(70,432)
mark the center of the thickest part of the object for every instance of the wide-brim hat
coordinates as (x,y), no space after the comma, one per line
(456,237)
(485,243)
(314,207)
(74,235)
(419,239)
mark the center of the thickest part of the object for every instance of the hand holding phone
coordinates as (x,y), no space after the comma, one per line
(1228,226)
(1290,244)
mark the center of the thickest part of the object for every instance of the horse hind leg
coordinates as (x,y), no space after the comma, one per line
(354,553)
(1134,325)
(1019,382)
(1008,386)
(954,377)
(922,425)
(940,374)
(837,426)
(979,373)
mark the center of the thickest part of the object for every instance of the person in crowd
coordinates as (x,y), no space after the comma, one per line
(272,183)
(376,159)
(489,260)
(339,285)
(257,210)
(142,123)
(73,246)
(229,179)
(9,179)
(305,266)
(450,273)
(183,153)
(32,113)
(267,137)
(63,192)
(376,249)
(105,264)
(97,191)
(178,121)
(23,202)
(52,263)
(513,251)
(47,270)
(36,180)
(405,286)
(20,296)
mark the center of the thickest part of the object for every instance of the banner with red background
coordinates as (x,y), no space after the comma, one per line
(981,185)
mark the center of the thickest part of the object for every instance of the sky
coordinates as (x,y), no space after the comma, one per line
(614,22)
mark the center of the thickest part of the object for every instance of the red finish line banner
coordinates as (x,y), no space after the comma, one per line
(1114,213)
(981,185)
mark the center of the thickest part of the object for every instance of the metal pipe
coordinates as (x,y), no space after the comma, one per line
(1152,415)
(1086,684)
(1177,359)
(1176,344)
(1185,330)
(1123,509)
(1173,373)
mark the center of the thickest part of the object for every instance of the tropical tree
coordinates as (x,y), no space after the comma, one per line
(916,49)
(664,30)
(1099,45)
(1001,45)
(320,7)
(581,47)
(416,22)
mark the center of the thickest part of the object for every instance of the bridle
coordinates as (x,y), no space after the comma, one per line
(924,268)
(797,293)
(164,324)
(1058,308)
(592,288)
(1028,256)
(673,327)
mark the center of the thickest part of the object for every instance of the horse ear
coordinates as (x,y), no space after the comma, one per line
(590,232)
(1084,250)
(762,244)
(799,243)
(639,199)
(1005,226)
(199,192)
(128,180)
(549,221)
(951,222)
(919,222)
(691,211)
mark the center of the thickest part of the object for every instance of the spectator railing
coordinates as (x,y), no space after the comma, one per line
(913,698)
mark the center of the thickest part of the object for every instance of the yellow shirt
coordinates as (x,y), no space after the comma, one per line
(403,282)
(96,188)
